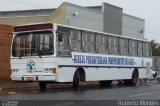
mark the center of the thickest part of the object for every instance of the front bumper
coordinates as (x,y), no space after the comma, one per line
(33,78)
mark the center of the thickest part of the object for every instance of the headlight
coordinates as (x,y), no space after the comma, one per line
(46,70)
(15,71)
(50,70)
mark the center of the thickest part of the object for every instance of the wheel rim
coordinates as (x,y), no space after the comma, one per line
(135,78)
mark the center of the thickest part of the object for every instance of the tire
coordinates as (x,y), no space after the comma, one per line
(76,80)
(42,86)
(105,83)
(134,80)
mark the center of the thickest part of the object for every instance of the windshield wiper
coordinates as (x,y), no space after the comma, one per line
(36,51)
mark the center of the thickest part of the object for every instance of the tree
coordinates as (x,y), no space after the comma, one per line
(155,48)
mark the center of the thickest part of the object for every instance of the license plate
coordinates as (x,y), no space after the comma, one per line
(29,78)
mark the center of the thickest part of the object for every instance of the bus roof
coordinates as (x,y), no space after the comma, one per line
(88,30)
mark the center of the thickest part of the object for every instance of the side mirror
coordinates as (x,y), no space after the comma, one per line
(60,37)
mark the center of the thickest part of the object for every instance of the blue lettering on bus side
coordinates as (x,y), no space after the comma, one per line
(86,59)
(79,59)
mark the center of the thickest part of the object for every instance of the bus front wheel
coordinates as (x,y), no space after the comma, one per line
(76,80)
(42,85)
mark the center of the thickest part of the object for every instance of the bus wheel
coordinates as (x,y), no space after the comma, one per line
(105,83)
(76,80)
(42,85)
(135,78)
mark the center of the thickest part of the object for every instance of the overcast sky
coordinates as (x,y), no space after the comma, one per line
(146,9)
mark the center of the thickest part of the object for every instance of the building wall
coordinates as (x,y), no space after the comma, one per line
(23,20)
(18,18)
(5,46)
(85,18)
(112,19)
(58,15)
(107,18)
(26,13)
(133,27)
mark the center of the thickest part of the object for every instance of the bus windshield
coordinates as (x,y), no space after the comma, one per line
(33,44)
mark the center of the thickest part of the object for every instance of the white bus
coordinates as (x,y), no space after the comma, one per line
(51,52)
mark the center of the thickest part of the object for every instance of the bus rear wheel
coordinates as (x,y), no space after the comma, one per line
(76,80)
(134,80)
(42,86)
(105,83)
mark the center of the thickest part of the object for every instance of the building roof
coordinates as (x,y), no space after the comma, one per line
(47,12)
(134,17)
(37,12)
(81,7)
(26,13)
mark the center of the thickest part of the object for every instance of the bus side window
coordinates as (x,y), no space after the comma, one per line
(89,42)
(110,44)
(133,47)
(76,40)
(60,37)
(140,48)
(113,45)
(146,49)
(101,43)
(122,46)
(62,41)
(63,48)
